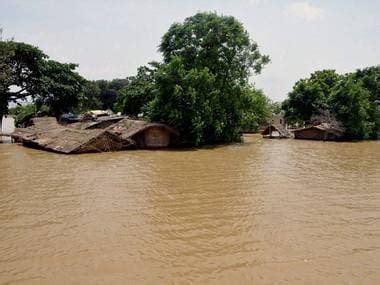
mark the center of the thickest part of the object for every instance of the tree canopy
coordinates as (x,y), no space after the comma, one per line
(59,87)
(352,99)
(133,98)
(349,101)
(309,96)
(26,72)
(202,87)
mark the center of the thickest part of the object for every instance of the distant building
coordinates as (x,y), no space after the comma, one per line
(279,120)
(277,128)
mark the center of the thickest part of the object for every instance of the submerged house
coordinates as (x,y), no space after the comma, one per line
(123,133)
(275,131)
(47,134)
(277,128)
(144,134)
(324,131)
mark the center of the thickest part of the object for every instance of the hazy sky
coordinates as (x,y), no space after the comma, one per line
(110,39)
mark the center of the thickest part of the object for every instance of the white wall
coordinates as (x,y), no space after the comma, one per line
(8,127)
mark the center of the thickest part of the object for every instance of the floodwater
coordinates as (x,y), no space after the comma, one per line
(262,212)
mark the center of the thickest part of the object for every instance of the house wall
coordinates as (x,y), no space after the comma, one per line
(154,137)
(279,120)
(157,137)
(310,134)
(7,126)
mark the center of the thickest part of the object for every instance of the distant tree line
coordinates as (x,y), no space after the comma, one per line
(352,100)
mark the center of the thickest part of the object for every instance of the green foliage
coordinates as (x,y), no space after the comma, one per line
(351,99)
(349,102)
(28,71)
(59,87)
(258,110)
(202,87)
(19,67)
(6,52)
(118,84)
(309,96)
(109,91)
(133,98)
(276,107)
(217,42)
(188,101)
(375,114)
(370,78)
(89,98)
(22,114)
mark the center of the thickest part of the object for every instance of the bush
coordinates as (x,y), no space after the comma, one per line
(23,114)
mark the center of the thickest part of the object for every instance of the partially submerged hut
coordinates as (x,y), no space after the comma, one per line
(46,133)
(274,131)
(65,140)
(324,131)
(145,134)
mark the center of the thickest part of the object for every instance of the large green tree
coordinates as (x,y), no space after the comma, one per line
(27,74)
(350,100)
(310,96)
(59,87)
(349,103)
(370,79)
(5,77)
(202,85)
(20,72)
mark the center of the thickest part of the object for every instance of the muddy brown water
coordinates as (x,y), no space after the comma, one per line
(262,212)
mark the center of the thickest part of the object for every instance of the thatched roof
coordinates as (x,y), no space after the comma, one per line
(102,122)
(67,140)
(277,128)
(47,134)
(44,122)
(326,127)
(128,128)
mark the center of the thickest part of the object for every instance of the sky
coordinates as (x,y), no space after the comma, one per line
(111,39)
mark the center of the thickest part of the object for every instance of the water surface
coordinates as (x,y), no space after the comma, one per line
(262,212)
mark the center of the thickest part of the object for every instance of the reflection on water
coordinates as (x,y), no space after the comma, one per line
(266,211)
